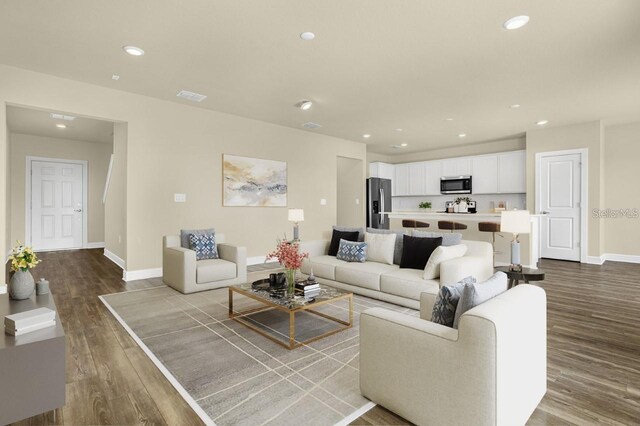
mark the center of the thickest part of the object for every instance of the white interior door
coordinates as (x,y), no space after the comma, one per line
(560,206)
(56,205)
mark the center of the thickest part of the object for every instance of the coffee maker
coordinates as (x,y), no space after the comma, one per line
(471,207)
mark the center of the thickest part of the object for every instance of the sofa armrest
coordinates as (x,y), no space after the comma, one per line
(178,267)
(237,255)
(427,300)
(406,322)
(314,247)
(452,271)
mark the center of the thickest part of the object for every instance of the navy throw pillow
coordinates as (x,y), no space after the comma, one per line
(204,245)
(341,235)
(351,251)
(416,251)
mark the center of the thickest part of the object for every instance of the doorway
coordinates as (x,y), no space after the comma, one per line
(56,203)
(350,180)
(561,201)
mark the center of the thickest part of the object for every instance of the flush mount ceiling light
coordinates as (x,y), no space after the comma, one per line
(307,35)
(398,130)
(462,135)
(516,22)
(366,136)
(404,144)
(61,126)
(305,105)
(133,50)
(57,116)
(542,122)
(449,119)
(514,106)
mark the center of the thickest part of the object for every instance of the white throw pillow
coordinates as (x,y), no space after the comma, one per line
(380,247)
(439,255)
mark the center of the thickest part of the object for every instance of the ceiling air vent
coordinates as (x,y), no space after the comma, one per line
(61,117)
(311,125)
(190,96)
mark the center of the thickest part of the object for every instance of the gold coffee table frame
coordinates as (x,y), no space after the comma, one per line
(239,316)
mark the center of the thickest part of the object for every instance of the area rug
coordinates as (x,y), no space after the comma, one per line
(231,375)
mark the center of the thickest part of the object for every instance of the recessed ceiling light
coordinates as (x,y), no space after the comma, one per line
(307,35)
(398,130)
(516,22)
(514,106)
(462,135)
(57,116)
(542,122)
(133,50)
(115,77)
(305,105)
(61,126)
(366,136)
(449,119)
(404,144)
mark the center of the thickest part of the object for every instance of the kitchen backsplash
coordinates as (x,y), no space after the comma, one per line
(483,201)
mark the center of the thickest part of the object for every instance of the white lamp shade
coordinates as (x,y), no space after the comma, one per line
(515,221)
(296,215)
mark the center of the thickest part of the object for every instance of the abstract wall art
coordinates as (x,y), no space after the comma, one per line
(253,182)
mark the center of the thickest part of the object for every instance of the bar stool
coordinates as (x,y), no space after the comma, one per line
(414,224)
(451,225)
(493,228)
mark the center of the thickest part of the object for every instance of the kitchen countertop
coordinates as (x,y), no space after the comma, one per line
(442,215)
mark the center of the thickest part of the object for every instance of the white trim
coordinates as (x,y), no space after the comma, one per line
(27,196)
(628,258)
(359,412)
(183,393)
(256,260)
(595,260)
(141,274)
(584,193)
(95,245)
(106,183)
(114,258)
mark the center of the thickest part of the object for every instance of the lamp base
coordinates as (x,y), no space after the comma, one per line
(296,233)
(515,256)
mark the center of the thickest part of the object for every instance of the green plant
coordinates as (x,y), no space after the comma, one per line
(461,199)
(425,205)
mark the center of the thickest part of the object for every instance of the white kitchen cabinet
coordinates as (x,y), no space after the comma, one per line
(512,176)
(416,178)
(484,174)
(381,170)
(456,167)
(401,180)
(432,175)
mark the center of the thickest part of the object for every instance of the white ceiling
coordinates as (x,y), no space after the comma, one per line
(39,122)
(375,65)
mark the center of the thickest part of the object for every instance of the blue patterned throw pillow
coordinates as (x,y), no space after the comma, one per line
(444,308)
(204,245)
(352,251)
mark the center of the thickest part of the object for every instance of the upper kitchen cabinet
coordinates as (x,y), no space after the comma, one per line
(381,170)
(416,179)
(512,167)
(456,167)
(432,175)
(484,174)
(400,183)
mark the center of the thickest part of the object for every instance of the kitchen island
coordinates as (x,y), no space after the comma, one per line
(529,243)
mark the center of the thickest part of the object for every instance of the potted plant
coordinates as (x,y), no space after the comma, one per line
(288,255)
(425,205)
(462,203)
(22,259)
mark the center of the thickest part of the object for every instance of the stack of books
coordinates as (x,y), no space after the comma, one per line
(26,322)
(308,289)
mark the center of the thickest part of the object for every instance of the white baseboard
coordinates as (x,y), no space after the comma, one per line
(141,274)
(95,245)
(256,260)
(613,257)
(114,258)
(595,260)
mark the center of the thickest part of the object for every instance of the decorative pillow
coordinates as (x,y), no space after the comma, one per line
(397,252)
(448,239)
(184,235)
(204,246)
(475,294)
(352,251)
(416,251)
(380,247)
(444,308)
(340,235)
(439,255)
(360,231)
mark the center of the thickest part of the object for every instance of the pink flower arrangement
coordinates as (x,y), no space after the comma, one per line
(287,253)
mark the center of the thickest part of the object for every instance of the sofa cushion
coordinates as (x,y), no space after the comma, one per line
(444,308)
(323,266)
(366,275)
(475,294)
(380,247)
(360,231)
(416,251)
(407,283)
(448,239)
(352,251)
(439,255)
(340,235)
(214,270)
(184,235)
(204,246)
(397,251)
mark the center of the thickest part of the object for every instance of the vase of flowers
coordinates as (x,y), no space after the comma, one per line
(22,259)
(288,255)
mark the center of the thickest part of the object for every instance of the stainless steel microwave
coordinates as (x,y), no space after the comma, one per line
(455,185)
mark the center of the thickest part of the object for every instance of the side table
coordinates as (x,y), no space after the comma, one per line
(526,275)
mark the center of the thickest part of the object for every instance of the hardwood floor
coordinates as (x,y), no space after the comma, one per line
(593,349)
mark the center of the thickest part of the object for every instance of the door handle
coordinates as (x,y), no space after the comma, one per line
(545,212)
(78,210)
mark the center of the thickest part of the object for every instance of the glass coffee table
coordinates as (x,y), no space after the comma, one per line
(297,304)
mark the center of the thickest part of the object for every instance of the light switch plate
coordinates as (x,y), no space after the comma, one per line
(180,198)
(323,202)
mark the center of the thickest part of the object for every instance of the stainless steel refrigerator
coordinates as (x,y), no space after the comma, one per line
(378,201)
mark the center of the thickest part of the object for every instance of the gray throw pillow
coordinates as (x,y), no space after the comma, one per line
(444,308)
(475,294)
(352,251)
(184,235)
(448,239)
(397,250)
(360,231)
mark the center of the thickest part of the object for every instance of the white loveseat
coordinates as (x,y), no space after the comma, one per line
(490,371)
(389,282)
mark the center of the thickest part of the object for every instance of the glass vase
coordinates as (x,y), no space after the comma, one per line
(291,281)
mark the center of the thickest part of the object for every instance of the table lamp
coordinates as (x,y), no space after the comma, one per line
(295,216)
(516,222)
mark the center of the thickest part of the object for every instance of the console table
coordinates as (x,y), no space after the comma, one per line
(32,365)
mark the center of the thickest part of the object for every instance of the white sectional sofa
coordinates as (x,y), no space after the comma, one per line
(389,282)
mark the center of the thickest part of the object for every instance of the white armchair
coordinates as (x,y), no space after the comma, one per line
(491,371)
(181,271)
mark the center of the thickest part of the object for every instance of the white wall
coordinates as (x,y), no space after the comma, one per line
(350,192)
